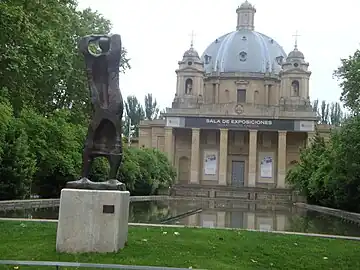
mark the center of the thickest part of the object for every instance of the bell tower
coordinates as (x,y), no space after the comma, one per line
(190,80)
(295,76)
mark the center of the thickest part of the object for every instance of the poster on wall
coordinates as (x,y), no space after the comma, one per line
(210,162)
(266,167)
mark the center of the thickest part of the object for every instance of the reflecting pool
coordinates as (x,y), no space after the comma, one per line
(228,214)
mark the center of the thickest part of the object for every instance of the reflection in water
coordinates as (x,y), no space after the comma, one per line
(222,214)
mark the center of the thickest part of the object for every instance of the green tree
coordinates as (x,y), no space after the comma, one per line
(328,174)
(134,114)
(32,51)
(146,171)
(17,164)
(310,159)
(343,174)
(39,53)
(100,170)
(336,114)
(349,77)
(162,113)
(324,113)
(5,120)
(44,104)
(315,106)
(329,113)
(151,107)
(56,144)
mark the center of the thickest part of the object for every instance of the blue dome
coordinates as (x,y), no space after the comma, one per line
(244,50)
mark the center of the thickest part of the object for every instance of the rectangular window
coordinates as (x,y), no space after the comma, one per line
(241,95)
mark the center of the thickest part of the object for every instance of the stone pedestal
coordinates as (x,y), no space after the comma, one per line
(92,220)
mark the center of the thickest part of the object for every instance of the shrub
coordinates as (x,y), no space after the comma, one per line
(145,171)
(328,174)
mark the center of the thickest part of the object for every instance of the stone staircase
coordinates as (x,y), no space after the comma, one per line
(251,194)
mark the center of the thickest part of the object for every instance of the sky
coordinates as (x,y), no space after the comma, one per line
(156,33)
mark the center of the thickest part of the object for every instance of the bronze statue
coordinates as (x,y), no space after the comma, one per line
(102,59)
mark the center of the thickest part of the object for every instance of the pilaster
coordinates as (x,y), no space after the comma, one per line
(267,90)
(281,159)
(310,138)
(169,149)
(252,158)
(195,156)
(223,156)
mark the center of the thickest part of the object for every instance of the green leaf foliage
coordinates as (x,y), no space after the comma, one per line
(40,154)
(39,53)
(56,143)
(328,174)
(151,108)
(17,163)
(146,171)
(134,114)
(349,77)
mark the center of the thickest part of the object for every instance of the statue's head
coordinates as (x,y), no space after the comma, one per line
(98,45)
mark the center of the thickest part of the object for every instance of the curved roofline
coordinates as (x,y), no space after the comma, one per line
(222,55)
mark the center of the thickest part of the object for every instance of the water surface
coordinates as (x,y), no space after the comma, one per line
(228,214)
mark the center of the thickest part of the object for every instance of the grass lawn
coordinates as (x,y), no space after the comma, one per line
(198,248)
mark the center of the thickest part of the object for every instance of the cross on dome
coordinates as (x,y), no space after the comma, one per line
(192,35)
(296,39)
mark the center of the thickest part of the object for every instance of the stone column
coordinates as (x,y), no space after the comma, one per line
(169,149)
(250,221)
(252,158)
(281,159)
(195,156)
(193,221)
(221,219)
(280,222)
(310,137)
(223,156)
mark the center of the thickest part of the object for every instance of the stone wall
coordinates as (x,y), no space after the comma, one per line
(257,195)
(47,203)
(354,217)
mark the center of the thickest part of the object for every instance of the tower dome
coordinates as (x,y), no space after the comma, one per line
(244,50)
(191,53)
(246,5)
(296,54)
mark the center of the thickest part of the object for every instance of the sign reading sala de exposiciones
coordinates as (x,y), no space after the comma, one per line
(236,123)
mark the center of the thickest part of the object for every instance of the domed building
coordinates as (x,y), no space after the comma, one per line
(240,115)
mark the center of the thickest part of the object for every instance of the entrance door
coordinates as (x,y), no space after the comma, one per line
(237,173)
(237,219)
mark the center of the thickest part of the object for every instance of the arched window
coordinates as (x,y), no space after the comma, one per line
(188,86)
(295,88)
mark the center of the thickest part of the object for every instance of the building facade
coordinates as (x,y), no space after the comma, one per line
(241,111)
